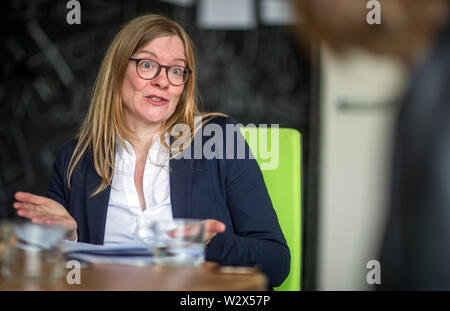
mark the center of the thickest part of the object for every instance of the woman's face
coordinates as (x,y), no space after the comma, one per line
(151,102)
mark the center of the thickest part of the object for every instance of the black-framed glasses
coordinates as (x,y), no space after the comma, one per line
(149,69)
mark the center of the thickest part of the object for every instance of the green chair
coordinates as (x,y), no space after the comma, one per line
(282,175)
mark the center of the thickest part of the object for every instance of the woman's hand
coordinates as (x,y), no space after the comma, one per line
(212,227)
(45,211)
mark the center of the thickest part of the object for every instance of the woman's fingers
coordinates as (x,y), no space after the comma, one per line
(28,210)
(29,206)
(43,202)
(30,198)
(214,226)
(37,212)
(28,213)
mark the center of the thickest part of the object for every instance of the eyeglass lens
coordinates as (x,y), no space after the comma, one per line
(148,69)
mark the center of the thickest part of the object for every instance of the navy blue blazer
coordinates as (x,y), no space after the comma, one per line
(229,190)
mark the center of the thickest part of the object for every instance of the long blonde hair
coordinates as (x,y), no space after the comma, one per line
(104,123)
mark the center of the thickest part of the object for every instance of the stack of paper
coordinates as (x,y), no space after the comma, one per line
(128,254)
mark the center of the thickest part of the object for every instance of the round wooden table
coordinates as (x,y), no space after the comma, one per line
(112,277)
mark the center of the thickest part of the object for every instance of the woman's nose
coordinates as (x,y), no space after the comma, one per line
(161,80)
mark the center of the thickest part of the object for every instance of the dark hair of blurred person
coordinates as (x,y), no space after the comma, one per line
(415,252)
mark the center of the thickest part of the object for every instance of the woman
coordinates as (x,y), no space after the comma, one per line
(119,174)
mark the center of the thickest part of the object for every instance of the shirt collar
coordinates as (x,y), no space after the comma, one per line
(153,152)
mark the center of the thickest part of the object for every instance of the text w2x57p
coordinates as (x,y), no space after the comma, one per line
(246,300)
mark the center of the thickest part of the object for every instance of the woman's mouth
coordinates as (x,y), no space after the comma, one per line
(156,100)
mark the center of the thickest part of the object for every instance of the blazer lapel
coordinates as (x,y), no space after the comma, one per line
(180,186)
(96,206)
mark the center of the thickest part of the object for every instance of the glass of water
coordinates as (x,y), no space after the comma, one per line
(30,251)
(179,242)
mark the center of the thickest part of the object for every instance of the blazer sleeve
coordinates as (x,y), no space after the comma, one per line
(256,238)
(58,189)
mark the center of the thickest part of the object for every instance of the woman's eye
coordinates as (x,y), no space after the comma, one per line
(177,71)
(146,65)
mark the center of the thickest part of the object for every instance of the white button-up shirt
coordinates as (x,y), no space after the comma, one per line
(126,221)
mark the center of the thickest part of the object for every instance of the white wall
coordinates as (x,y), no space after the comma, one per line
(354,165)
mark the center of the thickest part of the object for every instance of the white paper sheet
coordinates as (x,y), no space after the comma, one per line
(226,14)
(122,260)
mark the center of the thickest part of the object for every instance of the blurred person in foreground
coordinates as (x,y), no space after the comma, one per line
(415,252)
(129,165)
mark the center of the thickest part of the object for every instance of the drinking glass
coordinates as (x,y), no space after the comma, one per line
(31,251)
(179,242)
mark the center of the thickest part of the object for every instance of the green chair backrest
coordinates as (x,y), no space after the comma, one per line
(278,153)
